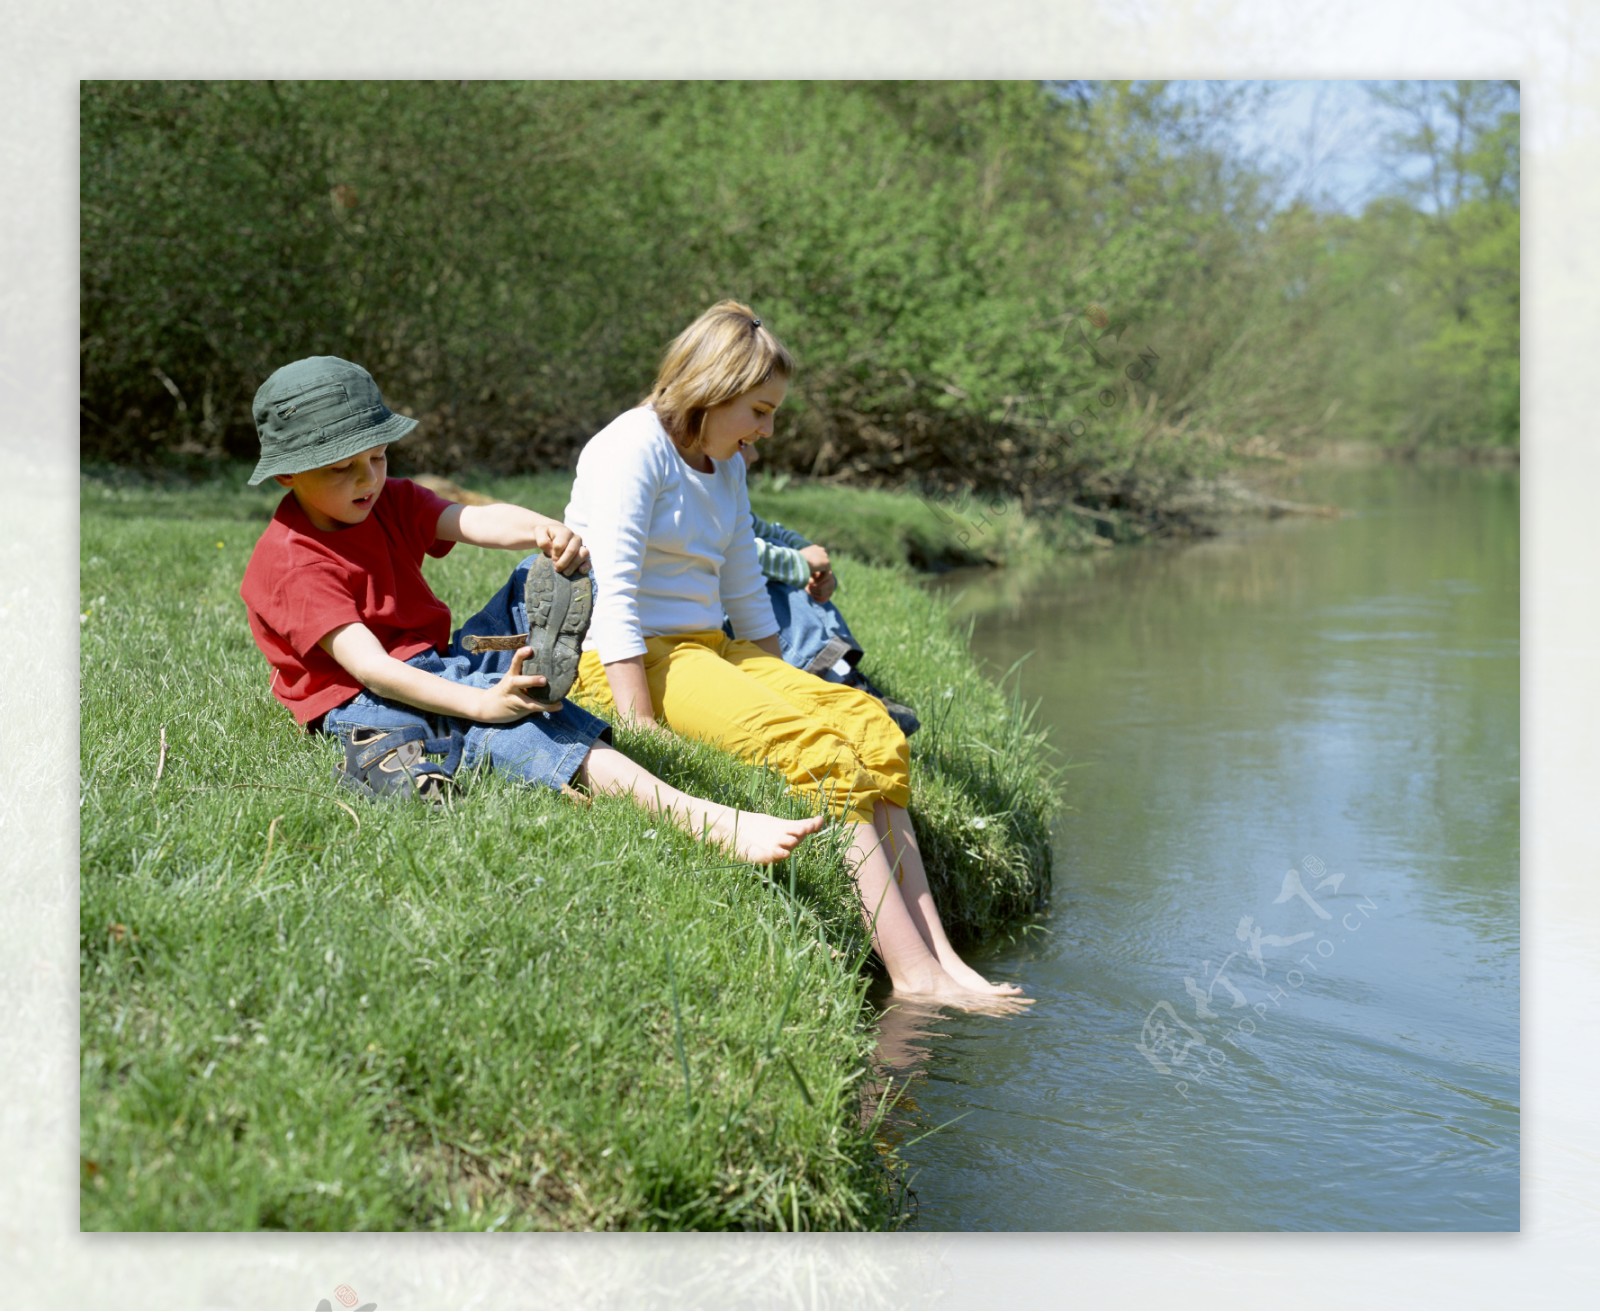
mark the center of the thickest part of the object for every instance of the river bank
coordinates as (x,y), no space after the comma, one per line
(300,1011)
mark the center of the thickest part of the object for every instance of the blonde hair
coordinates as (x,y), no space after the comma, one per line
(721,355)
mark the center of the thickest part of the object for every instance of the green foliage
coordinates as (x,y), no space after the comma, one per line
(1401,326)
(1073,294)
(202,249)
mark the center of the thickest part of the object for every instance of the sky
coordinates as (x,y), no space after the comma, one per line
(1326,137)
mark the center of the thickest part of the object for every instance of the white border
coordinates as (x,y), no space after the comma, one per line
(1551,46)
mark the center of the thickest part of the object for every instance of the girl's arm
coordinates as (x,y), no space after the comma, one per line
(620,475)
(630,690)
(741,584)
(514,529)
(358,650)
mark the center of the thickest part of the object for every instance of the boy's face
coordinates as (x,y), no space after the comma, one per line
(340,495)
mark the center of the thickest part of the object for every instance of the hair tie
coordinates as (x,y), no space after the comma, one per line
(754,322)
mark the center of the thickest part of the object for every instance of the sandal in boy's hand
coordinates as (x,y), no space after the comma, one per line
(559,607)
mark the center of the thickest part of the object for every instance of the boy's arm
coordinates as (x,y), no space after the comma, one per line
(512,528)
(773,531)
(358,650)
(783,563)
(792,559)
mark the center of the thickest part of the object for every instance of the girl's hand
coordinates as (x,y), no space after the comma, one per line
(647,723)
(630,694)
(564,547)
(515,696)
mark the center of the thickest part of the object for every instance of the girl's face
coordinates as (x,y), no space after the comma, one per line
(745,420)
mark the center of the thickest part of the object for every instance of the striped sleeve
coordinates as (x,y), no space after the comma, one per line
(779,560)
(772,531)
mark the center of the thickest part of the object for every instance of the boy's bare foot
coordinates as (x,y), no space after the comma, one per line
(759,838)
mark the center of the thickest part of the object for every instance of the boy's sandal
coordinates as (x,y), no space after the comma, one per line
(390,764)
(559,607)
(901,714)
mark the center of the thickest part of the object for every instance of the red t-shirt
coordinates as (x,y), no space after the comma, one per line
(302,583)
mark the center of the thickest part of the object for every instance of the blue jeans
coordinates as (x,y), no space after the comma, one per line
(811,635)
(546,747)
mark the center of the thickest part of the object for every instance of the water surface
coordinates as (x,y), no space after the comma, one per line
(1278,984)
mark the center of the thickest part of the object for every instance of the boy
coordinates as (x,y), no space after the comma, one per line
(812,634)
(361,648)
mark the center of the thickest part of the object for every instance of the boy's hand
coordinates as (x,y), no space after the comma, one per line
(817,558)
(513,528)
(515,696)
(822,582)
(564,547)
(358,650)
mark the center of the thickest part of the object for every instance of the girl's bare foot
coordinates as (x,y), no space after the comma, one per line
(938,987)
(973,982)
(759,838)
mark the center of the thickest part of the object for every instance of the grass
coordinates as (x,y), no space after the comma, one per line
(870,525)
(305,1011)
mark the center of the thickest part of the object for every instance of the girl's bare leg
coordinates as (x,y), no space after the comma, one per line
(912,967)
(750,835)
(900,841)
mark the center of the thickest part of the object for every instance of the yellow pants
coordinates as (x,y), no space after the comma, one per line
(833,743)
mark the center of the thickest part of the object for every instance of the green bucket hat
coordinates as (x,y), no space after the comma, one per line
(317,412)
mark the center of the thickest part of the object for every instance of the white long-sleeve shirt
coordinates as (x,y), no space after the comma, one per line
(671,549)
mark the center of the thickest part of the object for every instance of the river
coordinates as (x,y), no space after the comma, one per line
(1277,985)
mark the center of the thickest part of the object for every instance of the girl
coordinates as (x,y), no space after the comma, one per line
(660,499)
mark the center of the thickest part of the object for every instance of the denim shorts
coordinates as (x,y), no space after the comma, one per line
(812,635)
(546,747)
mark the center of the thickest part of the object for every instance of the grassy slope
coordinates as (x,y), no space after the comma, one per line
(301,1010)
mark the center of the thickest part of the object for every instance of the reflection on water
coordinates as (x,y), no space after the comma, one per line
(1279,987)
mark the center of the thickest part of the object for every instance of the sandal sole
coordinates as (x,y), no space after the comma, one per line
(559,608)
